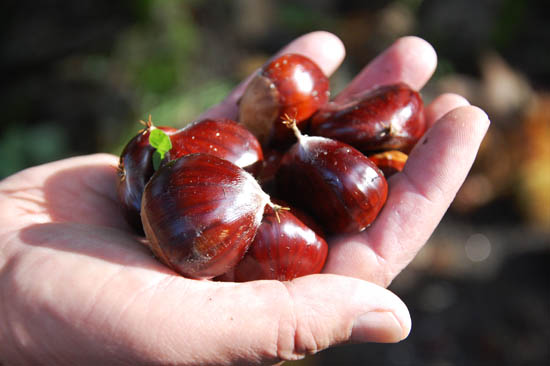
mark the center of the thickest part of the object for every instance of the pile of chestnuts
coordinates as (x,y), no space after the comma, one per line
(256,198)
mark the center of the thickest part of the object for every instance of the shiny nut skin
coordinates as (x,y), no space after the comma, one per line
(291,84)
(386,118)
(342,189)
(220,137)
(135,169)
(389,162)
(284,248)
(200,214)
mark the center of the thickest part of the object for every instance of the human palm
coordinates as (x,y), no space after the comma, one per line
(78,287)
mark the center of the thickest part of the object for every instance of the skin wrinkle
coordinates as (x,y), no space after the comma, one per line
(7,244)
(396,248)
(179,343)
(277,346)
(297,350)
(381,274)
(425,194)
(87,315)
(314,329)
(25,205)
(165,320)
(4,309)
(372,251)
(99,193)
(158,333)
(11,314)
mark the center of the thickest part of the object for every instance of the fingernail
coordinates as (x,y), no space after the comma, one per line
(377,326)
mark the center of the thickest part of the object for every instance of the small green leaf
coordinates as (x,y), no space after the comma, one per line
(160,141)
(162,144)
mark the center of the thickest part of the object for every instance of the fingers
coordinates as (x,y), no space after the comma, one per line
(324,48)
(418,198)
(268,321)
(410,60)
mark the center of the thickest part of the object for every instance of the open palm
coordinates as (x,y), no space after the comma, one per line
(77,287)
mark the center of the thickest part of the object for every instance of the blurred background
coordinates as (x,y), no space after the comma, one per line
(78,75)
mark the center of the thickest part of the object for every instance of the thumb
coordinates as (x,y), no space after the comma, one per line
(263,322)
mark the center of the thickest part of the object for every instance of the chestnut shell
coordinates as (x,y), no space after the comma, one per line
(220,137)
(284,248)
(200,214)
(389,117)
(389,162)
(337,184)
(292,85)
(135,168)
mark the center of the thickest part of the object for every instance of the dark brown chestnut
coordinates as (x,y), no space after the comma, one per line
(220,137)
(337,184)
(284,248)
(135,168)
(389,162)
(200,214)
(291,84)
(389,117)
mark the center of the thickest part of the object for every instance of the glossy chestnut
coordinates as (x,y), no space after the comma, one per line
(389,117)
(292,84)
(284,248)
(389,162)
(135,168)
(220,137)
(200,214)
(337,184)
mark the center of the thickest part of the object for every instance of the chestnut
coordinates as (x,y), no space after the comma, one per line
(220,137)
(291,84)
(200,214)
(389,162)
(284,248)
(337,184)
(389,117)
(135,168)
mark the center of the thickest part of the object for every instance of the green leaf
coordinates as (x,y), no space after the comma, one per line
(162,144)
(160,140)
(157,158)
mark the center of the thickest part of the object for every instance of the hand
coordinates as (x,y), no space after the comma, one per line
(76,287)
